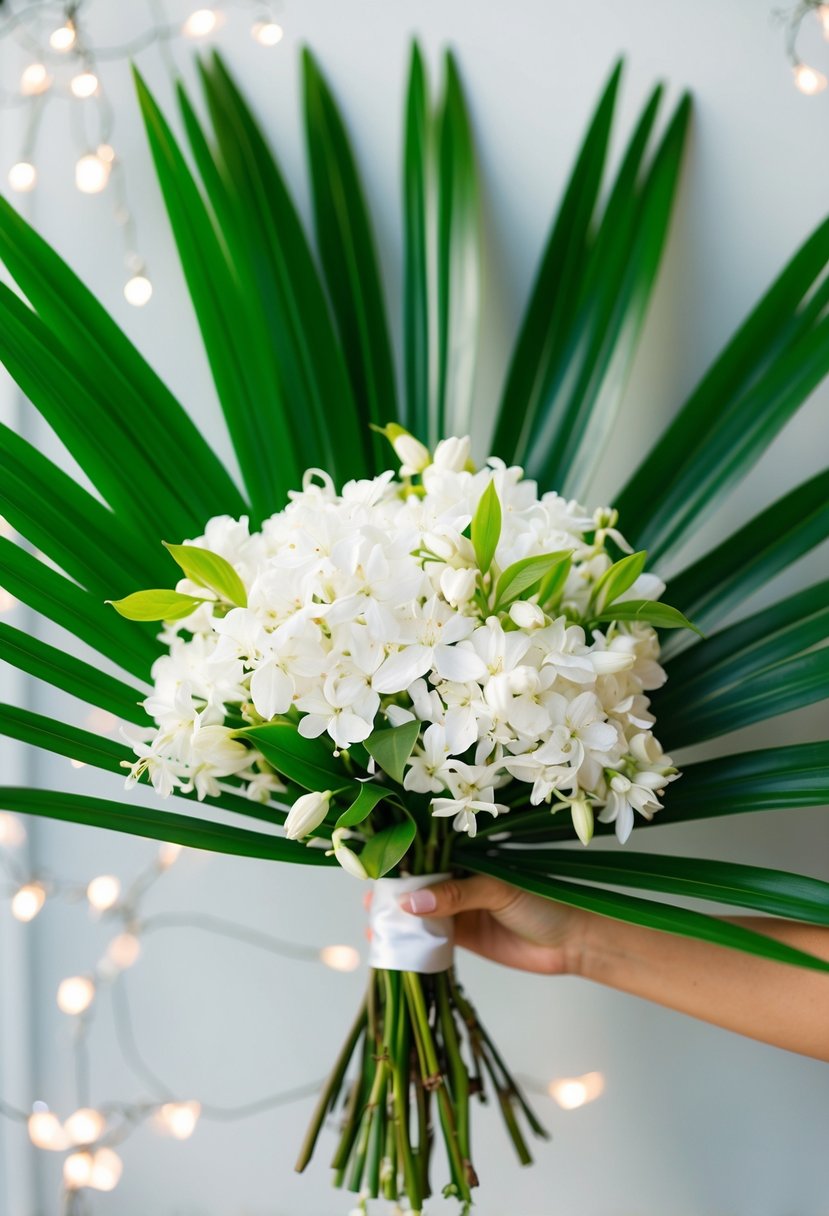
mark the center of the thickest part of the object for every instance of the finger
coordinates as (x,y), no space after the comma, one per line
(487,937)
(453,896)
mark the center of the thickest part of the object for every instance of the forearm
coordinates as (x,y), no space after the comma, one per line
(779,1004)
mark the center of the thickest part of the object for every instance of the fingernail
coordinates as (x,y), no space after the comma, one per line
(419,902)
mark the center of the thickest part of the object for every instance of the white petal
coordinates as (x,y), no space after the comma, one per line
(271,690)
(402,669)
(459,664)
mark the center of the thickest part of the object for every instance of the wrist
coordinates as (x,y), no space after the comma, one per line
(580,946)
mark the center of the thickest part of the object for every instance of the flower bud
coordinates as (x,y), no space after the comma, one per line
(347,858)
(526,615)
(452,455)
(414,456)
(582,813)
(458,586)
(609,662)
(306,814)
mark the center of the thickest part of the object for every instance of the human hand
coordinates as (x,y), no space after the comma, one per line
(506,925)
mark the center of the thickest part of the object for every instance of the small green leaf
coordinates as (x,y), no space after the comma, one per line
(210,570)
(663,616)
(391,748)
(308,762)
(486,527)
(618,579)
(522,575)
(158,605)
(362,806)
(553,584)
(386,849)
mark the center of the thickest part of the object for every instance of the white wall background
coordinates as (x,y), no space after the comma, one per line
(694,1120)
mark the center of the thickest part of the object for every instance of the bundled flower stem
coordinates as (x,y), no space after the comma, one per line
(421,1051)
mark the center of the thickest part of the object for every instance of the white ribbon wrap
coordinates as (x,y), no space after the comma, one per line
(401,941)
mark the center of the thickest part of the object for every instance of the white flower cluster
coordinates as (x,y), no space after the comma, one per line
(368,609)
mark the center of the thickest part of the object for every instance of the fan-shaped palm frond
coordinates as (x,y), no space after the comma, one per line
(302,361)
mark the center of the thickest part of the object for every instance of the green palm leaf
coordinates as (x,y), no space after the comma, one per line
(63,739)
(585,386)
(458,261)
(774,892)
(347,250)
(132,647)
(72,528)
(72,675)
(149,430)
(555,292)
(649,913)
(158,825)
(774,361)
(416,303)
(312,367)
(749,664)
(750,557)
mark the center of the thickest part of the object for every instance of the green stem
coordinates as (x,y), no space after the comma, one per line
(459,1078)
(433,1079)
(330,1093)
(398,1042)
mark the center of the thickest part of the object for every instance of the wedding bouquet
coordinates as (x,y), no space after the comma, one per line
(434,669)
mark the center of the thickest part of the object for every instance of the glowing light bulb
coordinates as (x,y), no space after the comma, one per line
(28,900)
(107,1168)
(809,80)
(106,153)
(63,38)
(572,1092)
(23,176)
(168,854)
(179,1119)
(103,892)
(267,33)
(77,1170)
(75,994)
(91,173)
(85,1126)
(137,290)
(12,831)
(201,21)
(340,958)
(823,18)
(45,1131)
(34,79)
(123,951)
(85,84)
(78,763)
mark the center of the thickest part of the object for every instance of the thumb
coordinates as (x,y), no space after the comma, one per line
(448,898)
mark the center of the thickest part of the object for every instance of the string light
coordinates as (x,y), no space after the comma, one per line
(107,1168)
(137,290)
(340,958)
(123,951)
(806,78)
(85,84)
(91,173)
(572,1092)
(46,1131)
(64,37)
(202,21)
(34,79)
(75,994)
(179,1119)
(78,763)
(809,80)
(22,178)
(12,831)
(267,33)
(168,854)
(77,1170)
(28,900)
(103,892)
(85,1126)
